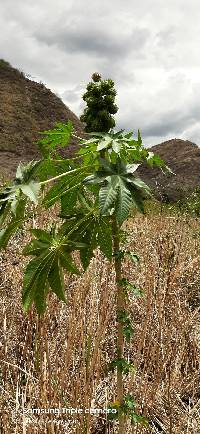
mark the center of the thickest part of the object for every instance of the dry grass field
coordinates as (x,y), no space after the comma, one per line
(60,360)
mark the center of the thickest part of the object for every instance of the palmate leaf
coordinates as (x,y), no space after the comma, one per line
(26,172)
(105,143)
(137,182)
(98,232)
(6,233)
(35,283)
(13,200)
(57,137)
(67,262)
(15,223)
(31,190)
(51,167)
(117,144)
(124,201)
(69,200)
(23,183)
(88,235)
(119,189)
(4,210)
(67,184)
(42,235)
(36,247)
(137,200)
(108,193)
(90,230)
(53,254)
(56,279)
(154,160)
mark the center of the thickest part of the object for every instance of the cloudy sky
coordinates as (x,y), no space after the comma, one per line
(151,49)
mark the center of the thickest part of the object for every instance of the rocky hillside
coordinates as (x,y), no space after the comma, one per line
(183,157)
(26,107)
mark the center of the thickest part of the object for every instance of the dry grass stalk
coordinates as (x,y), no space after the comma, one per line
(60,360)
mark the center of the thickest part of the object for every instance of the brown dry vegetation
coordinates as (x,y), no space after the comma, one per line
(60,360)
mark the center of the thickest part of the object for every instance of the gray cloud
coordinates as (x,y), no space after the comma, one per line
(91,40)
(151,51)
(171,122)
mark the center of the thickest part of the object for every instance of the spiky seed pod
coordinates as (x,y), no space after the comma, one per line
(96,77)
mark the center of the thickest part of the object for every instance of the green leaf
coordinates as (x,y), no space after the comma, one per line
(90,237)
(137,418)
(53,252)
(12,202)
(122,364)
(130,287)
(35,247)
(4,210)
(128,332)
(64,186)
(104,237)
(136,291)
(25,172)
(103,144)
(15,223)
(50,167)
(42,235)
(119,189)
(8,232)
(124,201)
(108,194)
(56,280)
(35,283)
(69,200)
(131,168)
(57,137)
(93,179)
(123,318)
(31,190)
(141,185)
(67,262)
(116,146)
(137,200)
(130,402)
(134,258)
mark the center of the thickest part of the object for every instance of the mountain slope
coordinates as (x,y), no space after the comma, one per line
(183,157)
(27,107)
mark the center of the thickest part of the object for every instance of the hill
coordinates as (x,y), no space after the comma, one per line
(183,157)
(27,107)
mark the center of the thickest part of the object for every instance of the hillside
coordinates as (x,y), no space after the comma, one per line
(183,157)
(26,107)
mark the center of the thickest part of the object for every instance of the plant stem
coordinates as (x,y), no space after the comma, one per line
(61,175)
(77,137)
(120,304)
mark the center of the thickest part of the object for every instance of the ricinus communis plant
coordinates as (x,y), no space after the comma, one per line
(95,191)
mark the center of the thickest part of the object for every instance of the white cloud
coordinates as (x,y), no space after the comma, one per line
(150,49)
